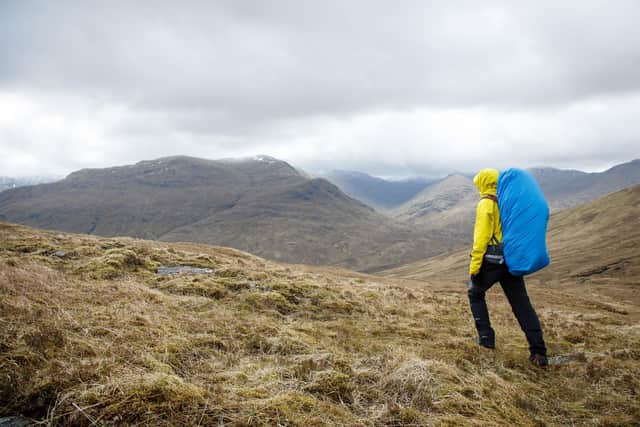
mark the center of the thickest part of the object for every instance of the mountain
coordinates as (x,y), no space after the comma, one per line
(568,188)
(7,183)
(445,205)
(147,199)
(95,332)
(450,203)
(314,223)
(262,205)
(599,241)
(379,193)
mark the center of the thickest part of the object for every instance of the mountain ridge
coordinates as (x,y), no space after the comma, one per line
(258,204)
(562,188)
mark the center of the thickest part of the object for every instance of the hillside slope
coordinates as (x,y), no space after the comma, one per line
(261,205)
(93,334)
(144,200)
(311,223)
(448,205)
(569,188)
(598,242)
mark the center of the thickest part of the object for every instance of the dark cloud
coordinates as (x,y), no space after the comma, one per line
(296,58)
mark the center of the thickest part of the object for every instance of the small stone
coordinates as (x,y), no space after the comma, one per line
(567,358)
(14,422)
(164,270)
(60,254)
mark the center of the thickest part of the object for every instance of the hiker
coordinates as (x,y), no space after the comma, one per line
(484,274)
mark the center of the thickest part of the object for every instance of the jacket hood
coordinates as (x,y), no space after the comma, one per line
(486,180)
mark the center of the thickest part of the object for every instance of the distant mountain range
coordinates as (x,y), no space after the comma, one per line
(261,205)
(568,188)
(7,183)
(267,207)
(450,203)
(379,193)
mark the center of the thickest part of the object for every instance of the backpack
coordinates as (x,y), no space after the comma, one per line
(524,215)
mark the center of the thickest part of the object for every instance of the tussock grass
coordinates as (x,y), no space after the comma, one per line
(97,338)
(114,263)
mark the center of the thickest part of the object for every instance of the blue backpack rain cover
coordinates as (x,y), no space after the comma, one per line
(524,215)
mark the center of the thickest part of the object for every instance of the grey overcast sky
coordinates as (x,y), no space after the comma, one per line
(391,88)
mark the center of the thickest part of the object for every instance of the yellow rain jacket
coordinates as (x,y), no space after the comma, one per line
(487,218)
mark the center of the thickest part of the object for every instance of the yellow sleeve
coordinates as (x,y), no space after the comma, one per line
(482,233)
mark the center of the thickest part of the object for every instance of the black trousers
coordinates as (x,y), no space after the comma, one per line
(514,289)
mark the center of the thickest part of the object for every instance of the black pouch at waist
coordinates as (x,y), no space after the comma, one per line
(494,253)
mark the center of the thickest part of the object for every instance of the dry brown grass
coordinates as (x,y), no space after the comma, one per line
(258,343)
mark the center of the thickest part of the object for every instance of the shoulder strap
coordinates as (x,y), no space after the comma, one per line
(490,197)
(493,240)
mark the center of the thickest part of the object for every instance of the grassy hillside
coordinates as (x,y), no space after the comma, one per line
(599,241)
(92,335)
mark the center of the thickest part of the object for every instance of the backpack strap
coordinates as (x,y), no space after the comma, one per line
(494,240)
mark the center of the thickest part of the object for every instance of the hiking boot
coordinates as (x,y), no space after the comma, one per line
(485,344)
(539,360)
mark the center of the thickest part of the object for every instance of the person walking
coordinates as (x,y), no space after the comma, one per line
(485,272)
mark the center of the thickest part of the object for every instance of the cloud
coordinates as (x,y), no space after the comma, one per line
(413,87)
(593,134)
